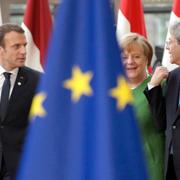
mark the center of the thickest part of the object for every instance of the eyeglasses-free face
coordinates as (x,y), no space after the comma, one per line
(135,63)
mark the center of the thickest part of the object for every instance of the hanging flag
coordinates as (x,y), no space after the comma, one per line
(37,25)
(174,17)
(130,18)
(83,126)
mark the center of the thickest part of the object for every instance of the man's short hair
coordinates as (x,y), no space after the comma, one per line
(7,28)
(175,31)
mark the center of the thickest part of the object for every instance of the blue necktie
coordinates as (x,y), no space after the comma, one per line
(5,95)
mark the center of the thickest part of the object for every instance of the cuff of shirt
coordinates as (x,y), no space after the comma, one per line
(150,86)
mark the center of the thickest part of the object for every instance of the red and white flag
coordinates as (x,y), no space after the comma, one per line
(175,17)
(130,18)
(37,25)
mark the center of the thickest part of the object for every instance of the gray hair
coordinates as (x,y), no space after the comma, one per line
(175,31)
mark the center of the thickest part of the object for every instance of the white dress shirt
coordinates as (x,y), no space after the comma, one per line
(13,76)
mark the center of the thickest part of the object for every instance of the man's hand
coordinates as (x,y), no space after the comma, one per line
(159,74)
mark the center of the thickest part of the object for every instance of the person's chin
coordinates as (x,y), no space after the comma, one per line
(131,76)
(172,61)
(21,64)
(175,62)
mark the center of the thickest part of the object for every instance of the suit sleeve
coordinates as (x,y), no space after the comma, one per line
(157,106)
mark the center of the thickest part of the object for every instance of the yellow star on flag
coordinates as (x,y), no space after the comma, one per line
(37,107)
(79,84)
(122,93)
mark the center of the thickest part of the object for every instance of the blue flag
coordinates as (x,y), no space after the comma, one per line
(82,123)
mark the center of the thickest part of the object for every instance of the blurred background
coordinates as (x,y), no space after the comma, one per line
(157,14)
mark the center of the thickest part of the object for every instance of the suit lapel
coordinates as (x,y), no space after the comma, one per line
(19,84)
(177,114)
(171,103)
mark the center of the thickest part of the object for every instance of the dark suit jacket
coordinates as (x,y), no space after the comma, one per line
(166,113)
(13,126)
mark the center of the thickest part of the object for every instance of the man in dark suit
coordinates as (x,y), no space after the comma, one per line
(165,105)
(20,85)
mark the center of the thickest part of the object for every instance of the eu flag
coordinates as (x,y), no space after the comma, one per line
(82,123)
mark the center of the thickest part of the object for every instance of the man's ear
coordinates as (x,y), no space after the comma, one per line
(1,50)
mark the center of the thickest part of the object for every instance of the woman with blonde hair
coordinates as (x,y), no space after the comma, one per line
(136,55)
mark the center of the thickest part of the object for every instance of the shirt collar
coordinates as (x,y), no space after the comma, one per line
(14,71)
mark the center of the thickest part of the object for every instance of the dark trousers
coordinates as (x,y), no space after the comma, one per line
(171,175)
(4,175)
